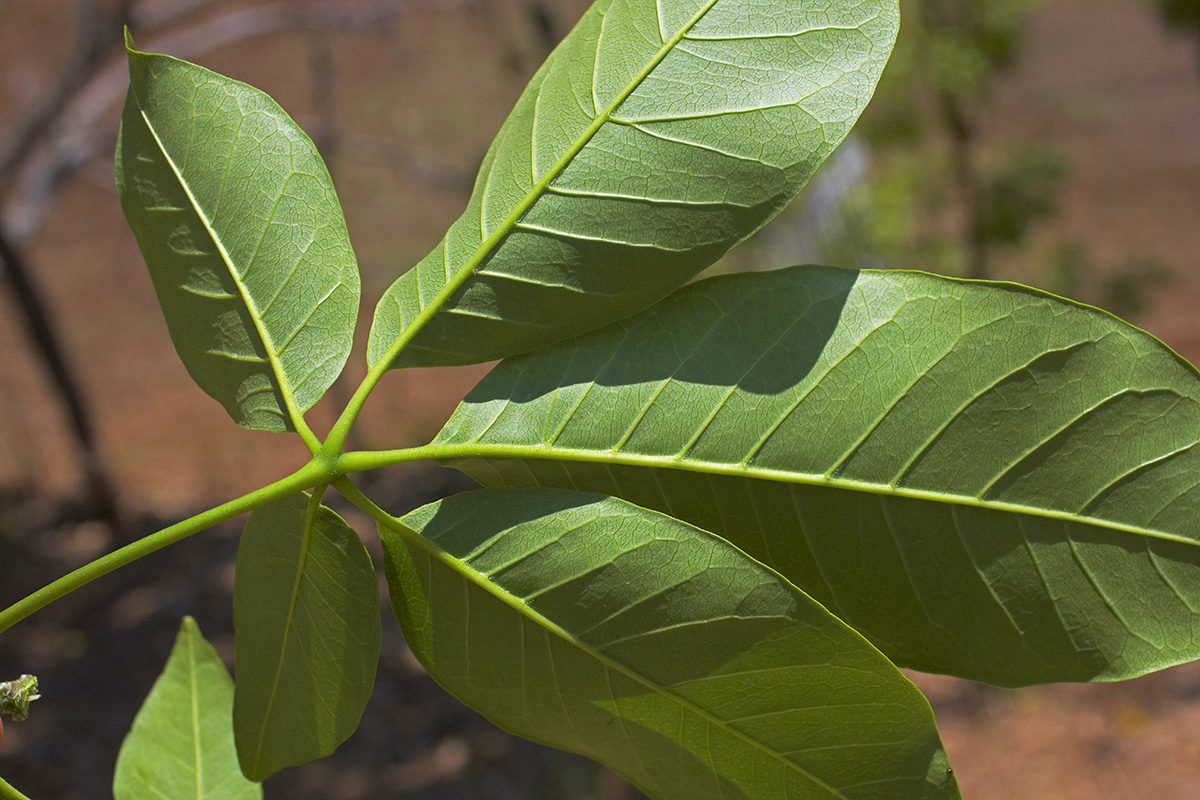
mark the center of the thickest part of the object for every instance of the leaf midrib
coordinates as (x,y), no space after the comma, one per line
(195,719)
(518,604)
(310,521)
(282,384)
(537,190)
(452,452)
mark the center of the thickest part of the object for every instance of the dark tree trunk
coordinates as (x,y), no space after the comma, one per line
(100,497)
(970,187)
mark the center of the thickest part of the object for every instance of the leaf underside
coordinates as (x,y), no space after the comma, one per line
(308,635)
(599,627)
(181,744)
(238,222)
(984,480)
(653,139)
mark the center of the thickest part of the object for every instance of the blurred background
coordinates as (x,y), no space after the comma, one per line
(1054,142)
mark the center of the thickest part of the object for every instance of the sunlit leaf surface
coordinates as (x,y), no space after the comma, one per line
(658,135)
(985,480)
(596,626)
(243,235)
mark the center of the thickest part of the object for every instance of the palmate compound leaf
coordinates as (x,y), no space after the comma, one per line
(985,480)
(181,744)
(308,635)
(243,234)
(590,624)
(654,138)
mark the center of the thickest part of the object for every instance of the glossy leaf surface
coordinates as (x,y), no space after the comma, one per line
(308,635)
(985,480)
(596,626)
(238,222)
(181,744)
(655,137)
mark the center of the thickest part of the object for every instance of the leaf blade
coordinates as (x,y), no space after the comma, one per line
(652,646)
(308,635)
(916,453)
(181,743)
(592,204)
(236,216)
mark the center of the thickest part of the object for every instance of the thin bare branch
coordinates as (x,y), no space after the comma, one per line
(90,46)
(79,130)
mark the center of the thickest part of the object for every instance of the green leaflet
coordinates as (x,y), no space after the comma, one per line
(599,627)
(986,480)
(244,238)
(308,635)
(655,137)
(181,744)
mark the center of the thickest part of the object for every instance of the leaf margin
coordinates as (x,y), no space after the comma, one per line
(270,749)
(189,644)
(291,411)
(401,538)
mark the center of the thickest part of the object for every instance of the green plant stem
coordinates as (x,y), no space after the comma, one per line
(318,472)
(364,503)
(367,506)
(9,792)
(340,431)
(310,439)
(366,460)
(312,474)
